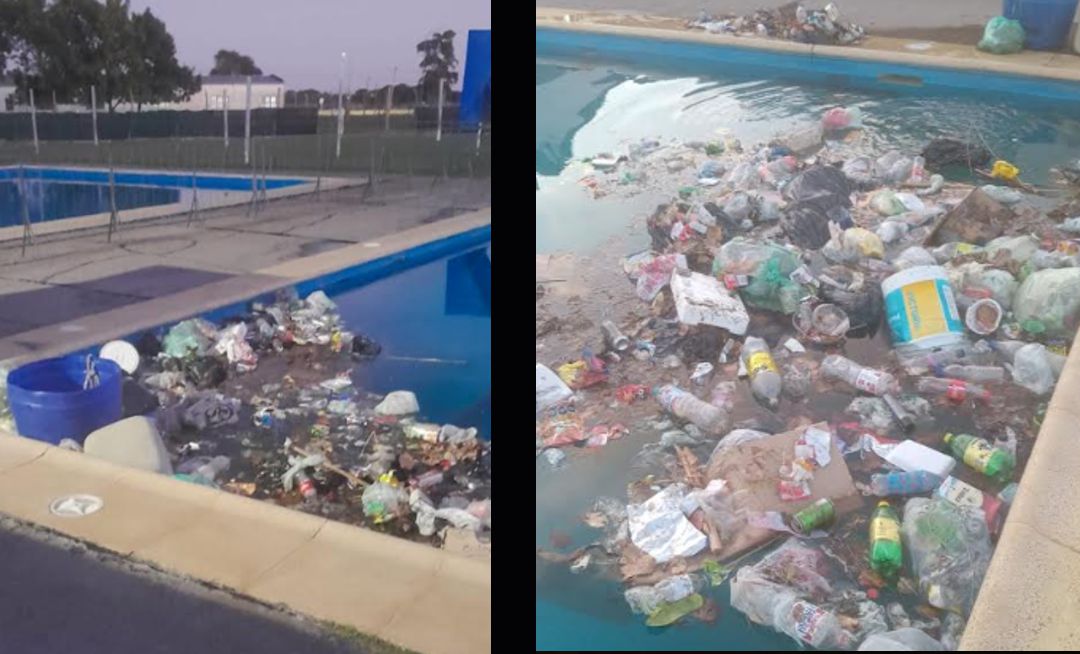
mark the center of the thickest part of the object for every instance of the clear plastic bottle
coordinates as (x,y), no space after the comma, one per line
(709,418)
(808,623)
(875,382)
(974,373)
(765,380)
(956,390)
(901,482)
(210,470)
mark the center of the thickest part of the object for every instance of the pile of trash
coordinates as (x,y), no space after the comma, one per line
(791,22)
(899,336)
(266,406)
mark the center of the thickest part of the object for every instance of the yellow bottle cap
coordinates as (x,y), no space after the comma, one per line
(883,503)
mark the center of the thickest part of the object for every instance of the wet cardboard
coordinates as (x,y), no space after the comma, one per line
(751,470)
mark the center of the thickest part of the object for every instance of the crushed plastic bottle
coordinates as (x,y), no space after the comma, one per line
(708,417)
(903,483)
(765,380)
(869,380)
(954,390)
(973,373)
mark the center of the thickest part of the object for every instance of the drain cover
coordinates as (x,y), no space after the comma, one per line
(76,506)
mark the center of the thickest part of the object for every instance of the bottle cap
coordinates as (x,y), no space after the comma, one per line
(948,438)
(882,503)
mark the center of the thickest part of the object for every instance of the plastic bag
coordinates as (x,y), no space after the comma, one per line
(382,501)
(949,548)
(816,196)
(659,528)
(1002,194)
(1002,36)
(914,256)
(886,203)
(1032,369)
(190,337)
(840,119)
(893,167)
(783,591)
(905,639)
(1020,248)
(550,389)
(1051,297)
(977,280)
(859,170)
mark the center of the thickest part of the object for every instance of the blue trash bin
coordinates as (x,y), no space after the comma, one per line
(49,403)
(1046,22)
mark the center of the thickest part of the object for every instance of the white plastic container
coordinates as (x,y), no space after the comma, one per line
(912,455)
(921,309)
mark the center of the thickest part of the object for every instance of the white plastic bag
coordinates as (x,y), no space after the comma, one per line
(659,528)
(549,388)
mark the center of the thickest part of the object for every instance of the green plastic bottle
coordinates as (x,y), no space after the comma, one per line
(886,552)
(979,454)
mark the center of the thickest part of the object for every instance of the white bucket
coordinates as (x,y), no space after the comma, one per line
(921,309)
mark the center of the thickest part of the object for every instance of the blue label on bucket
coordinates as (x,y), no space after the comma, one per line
(922,309)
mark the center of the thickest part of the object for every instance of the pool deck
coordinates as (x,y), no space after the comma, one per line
(1030,598)
(412,595)
(1053,65)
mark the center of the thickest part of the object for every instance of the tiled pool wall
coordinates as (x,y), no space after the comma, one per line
(637,52)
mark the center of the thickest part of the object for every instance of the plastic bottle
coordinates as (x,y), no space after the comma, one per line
(955,390)
(765,380)
(709,418)
(974,373)
(212,468)
(808,623)
(886,552)
(305,484)
(904,483)
(980,455)
(872,381)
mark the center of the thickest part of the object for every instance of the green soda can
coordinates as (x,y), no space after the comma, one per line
(819,514)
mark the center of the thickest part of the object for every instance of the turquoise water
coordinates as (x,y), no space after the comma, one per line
(584,108)
(591,102)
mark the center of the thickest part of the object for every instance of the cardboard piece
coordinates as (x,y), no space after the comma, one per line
(752,472)
(978,220)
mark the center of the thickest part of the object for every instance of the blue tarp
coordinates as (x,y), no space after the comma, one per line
(476,91)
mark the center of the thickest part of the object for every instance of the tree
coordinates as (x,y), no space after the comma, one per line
(438,63)
(69,45)
(231,62)
(155,74)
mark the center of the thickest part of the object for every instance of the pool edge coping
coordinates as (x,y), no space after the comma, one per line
(586,22)
(437,601)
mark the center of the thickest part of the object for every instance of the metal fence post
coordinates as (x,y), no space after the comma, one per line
(194,191)
(33,122)
(28,235)
(225,115)
(93,111)
(247,123)
(438,127)
(114,221)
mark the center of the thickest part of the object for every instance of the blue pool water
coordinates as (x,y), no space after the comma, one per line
(55,193)
(434,324)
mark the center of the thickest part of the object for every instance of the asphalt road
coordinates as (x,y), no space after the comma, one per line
(56,597)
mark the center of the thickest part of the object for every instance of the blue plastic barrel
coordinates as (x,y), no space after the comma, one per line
(1046,22)
(48,402)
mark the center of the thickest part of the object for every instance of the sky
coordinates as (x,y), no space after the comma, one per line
(301,41)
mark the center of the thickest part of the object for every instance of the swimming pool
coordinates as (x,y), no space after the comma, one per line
(601,93)
(49,194)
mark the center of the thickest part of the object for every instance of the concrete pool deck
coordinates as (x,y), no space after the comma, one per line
(1030,598)
(68,268)
(411,595)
